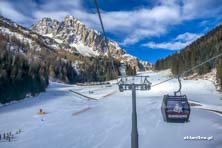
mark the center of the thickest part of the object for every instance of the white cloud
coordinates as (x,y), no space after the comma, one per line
(139,34)
(132,26)
(145,22)
(186,37)
(8,10)
(58,15)
(169,46)
(201,8)
(179,42)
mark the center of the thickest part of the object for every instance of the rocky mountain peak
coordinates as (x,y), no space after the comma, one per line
(72,33)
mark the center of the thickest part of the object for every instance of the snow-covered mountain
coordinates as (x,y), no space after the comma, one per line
(69,38)
(22,38)
(74,36)
(29,59)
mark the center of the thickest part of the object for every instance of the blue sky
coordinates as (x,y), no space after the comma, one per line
(148,29)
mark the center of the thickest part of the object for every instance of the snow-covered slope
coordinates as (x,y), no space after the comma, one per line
(84,50)
(211,76)
(73,121)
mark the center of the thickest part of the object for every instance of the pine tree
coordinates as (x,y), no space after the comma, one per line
(219,72)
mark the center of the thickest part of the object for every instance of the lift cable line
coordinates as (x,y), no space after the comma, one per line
(162,82)
(105,37)
(211,59)
(189,70)
(100,18)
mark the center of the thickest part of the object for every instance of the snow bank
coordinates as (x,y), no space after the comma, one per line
(213,108)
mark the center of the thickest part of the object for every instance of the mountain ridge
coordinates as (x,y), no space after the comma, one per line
(74,34)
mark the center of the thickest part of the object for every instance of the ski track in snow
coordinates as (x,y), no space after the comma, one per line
(107,124)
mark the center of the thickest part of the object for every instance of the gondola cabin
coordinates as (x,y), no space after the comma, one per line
(175,108)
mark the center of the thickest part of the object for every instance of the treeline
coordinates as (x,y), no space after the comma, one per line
(89,69)
(25,71)
(27,63)
(66,67)
(62,71)
(130,71)
(18,77)
(200,50)
(97,69)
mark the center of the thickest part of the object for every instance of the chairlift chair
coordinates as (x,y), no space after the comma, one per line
(175,108)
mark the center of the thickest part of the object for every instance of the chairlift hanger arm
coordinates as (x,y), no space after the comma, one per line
(143,81)
(180,85)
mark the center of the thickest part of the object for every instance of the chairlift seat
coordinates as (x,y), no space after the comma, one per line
(175,108)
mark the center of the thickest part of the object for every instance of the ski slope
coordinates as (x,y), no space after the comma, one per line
(72,121)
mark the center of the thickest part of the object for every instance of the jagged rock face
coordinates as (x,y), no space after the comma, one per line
(22,37)
(71,33)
